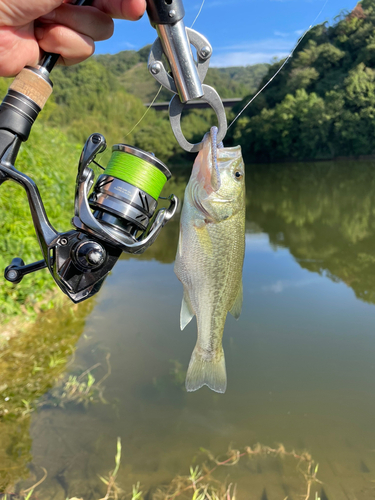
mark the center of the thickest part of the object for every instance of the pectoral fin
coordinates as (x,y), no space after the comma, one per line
(237,305)
(187,312)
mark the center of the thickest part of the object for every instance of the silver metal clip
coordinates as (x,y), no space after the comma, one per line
(187,77)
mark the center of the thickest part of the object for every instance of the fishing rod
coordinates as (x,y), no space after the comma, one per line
(117,212)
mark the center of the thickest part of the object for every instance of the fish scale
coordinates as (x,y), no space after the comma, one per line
(210,258)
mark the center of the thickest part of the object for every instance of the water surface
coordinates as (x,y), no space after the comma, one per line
(300,360)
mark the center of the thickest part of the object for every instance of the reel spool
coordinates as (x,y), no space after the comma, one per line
(125,196)
(121,208)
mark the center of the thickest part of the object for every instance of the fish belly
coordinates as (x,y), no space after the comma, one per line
(209,265)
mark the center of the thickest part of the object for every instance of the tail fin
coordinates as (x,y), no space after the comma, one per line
(203,371)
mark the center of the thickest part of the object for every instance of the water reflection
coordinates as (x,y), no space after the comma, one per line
(30,364)
(324,213)
(300,359)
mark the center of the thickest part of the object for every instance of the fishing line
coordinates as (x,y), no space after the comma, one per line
(199,12)
(136,171)
(135,126)
(145,113)
(281,67)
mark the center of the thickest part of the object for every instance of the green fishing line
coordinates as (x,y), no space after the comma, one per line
(136,171)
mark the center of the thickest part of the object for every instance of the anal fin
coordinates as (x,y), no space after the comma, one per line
(187,313)
(237,304)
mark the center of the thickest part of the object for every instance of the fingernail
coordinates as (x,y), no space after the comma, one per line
(39,33)
(48,17)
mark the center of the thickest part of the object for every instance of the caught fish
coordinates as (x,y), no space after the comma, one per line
(210,256)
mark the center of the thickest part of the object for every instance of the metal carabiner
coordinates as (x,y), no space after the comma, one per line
(187,77)
(175,111)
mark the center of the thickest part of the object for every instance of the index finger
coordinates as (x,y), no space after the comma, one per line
(122,9)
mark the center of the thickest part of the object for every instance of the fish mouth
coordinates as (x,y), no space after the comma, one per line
(219,154)
(212,159)
(209,174)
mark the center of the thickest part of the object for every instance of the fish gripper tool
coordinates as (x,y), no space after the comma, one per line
(187,75)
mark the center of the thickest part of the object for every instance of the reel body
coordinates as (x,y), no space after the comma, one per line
(118,216)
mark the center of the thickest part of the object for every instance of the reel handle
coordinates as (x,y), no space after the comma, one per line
(17,269)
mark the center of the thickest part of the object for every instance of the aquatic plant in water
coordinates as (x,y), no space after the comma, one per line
(81,389)
(203,486)
(200,484)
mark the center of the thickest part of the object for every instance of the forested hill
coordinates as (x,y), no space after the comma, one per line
(322,104)
(107,94)
(130,68)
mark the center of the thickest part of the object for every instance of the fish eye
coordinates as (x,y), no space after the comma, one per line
(238,174)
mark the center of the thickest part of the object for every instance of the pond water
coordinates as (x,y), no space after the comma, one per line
(300,360)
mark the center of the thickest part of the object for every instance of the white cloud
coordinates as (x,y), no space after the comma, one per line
(280,33)
(244,58)
(282,285)
(127,45)
(246,53)
(286,35)
(258,242)
(277,287)
(266,45)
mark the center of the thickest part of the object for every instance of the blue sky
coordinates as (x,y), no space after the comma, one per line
(241,32)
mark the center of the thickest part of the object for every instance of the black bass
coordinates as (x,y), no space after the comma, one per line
(210,257)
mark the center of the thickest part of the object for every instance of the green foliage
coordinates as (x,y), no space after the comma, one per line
(50,159)
(90,99)
(130,69)
(322,105)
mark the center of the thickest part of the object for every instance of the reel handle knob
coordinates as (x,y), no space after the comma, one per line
(17,269)
(12,272)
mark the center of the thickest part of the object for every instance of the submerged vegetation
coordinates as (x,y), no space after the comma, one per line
(79,389)
(33,361)
(30,364)
(201,482)
(202,485)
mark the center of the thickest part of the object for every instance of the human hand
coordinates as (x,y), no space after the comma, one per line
(28,27)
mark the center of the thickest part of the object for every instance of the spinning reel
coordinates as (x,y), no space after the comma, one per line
(118,216)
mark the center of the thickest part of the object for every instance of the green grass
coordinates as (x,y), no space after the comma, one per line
(51,160)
